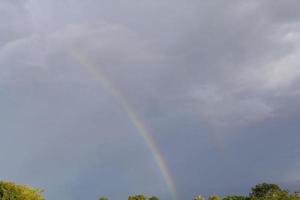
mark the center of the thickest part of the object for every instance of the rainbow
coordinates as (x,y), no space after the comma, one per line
(134,118)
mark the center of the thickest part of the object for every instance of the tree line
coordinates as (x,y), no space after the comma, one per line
(263,191)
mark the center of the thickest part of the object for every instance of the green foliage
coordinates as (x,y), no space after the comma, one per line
(142,197)
(263,189)
(137,197)
(235,198)
(199,198)
(278,195)
(103,198)
(12,191)
(153,198)
(266,191)
(214,197)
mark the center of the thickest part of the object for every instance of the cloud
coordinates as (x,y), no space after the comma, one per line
(186,67)
(282,72)
(45,80)
(236,65)
(14,22)
(226,108)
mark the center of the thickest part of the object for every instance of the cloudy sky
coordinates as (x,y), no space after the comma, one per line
(216,83)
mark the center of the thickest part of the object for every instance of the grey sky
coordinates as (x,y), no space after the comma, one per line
(216,82)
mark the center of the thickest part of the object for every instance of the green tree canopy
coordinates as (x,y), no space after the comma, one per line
(137,197)
(263,189)
(13,191)
(199,197)
(214,197)
(103,198)
(235,197)
(142,197)
(154,198)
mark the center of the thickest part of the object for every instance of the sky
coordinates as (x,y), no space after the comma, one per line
(215,83)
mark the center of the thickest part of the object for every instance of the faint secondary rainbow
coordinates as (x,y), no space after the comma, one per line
(134,118)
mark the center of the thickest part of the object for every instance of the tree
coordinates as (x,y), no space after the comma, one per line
(199,197)
(262,190)
(103,198)
(214,197)
(267,191)
(234,197)
(153,198)
(137,197)
(13,191)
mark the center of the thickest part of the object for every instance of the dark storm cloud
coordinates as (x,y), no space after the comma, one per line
(209,77)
